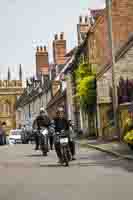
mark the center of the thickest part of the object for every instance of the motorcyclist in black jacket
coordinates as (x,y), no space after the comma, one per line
(61,123)
(41,121)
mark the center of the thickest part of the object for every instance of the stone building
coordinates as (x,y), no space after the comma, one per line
(10,90)
(37,94)
(123,69)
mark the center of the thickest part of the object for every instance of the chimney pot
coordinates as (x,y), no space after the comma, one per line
(37,48)
(45,49)
(86,19)
(56,37)
(62,36)
(41,48)
(80,19)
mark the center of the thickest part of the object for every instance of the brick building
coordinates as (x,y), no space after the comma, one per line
(99,52)
(122,18)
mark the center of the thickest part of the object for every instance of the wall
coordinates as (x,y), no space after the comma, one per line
(123,68)
(123,115)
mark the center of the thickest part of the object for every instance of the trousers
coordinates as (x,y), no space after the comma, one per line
(37,141)
(51,141)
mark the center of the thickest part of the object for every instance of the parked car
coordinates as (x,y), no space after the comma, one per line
(15,136)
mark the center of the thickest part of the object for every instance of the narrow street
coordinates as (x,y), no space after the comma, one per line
(25,174)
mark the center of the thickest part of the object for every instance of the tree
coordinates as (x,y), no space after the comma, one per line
(86,86)
(86,92)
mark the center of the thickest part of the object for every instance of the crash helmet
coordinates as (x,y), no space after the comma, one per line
(42,110)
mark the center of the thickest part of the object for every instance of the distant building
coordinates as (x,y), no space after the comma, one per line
(10,90)
(36,94)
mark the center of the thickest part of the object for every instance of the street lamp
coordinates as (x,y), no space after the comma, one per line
(111,45)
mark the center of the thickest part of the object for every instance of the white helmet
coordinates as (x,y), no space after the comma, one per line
(42,109)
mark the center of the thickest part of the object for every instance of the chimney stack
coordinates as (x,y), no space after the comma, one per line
(62,36)
(42,61)
(82,28)
(59,49)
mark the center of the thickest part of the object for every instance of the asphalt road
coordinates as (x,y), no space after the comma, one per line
(26,175)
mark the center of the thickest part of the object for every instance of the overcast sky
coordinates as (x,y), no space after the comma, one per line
(27,23)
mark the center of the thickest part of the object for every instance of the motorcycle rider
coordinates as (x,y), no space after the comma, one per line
(61,123)
(41,121)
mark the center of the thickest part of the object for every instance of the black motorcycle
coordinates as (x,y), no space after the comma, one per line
(44,141)
(64,147)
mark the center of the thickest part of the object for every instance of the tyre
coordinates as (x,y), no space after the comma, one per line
(65,156)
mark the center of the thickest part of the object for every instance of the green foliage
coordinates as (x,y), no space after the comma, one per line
(86,86)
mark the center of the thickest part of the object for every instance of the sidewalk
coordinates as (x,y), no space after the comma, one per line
(117,149)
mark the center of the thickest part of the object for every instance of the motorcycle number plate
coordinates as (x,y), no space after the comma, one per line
(45,132)
(63,140)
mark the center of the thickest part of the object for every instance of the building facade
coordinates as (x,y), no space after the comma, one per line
(10,91)
(37,94)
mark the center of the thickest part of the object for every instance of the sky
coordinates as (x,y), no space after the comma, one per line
(28,23)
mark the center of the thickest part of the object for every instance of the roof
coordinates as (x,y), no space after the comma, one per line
(95,13)
(56,98)
(33,93)
(65,68)
(71,52)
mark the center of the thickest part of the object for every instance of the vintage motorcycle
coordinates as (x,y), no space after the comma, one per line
(44,141)
(64,146)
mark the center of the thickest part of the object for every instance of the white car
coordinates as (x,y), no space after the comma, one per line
(15,136)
